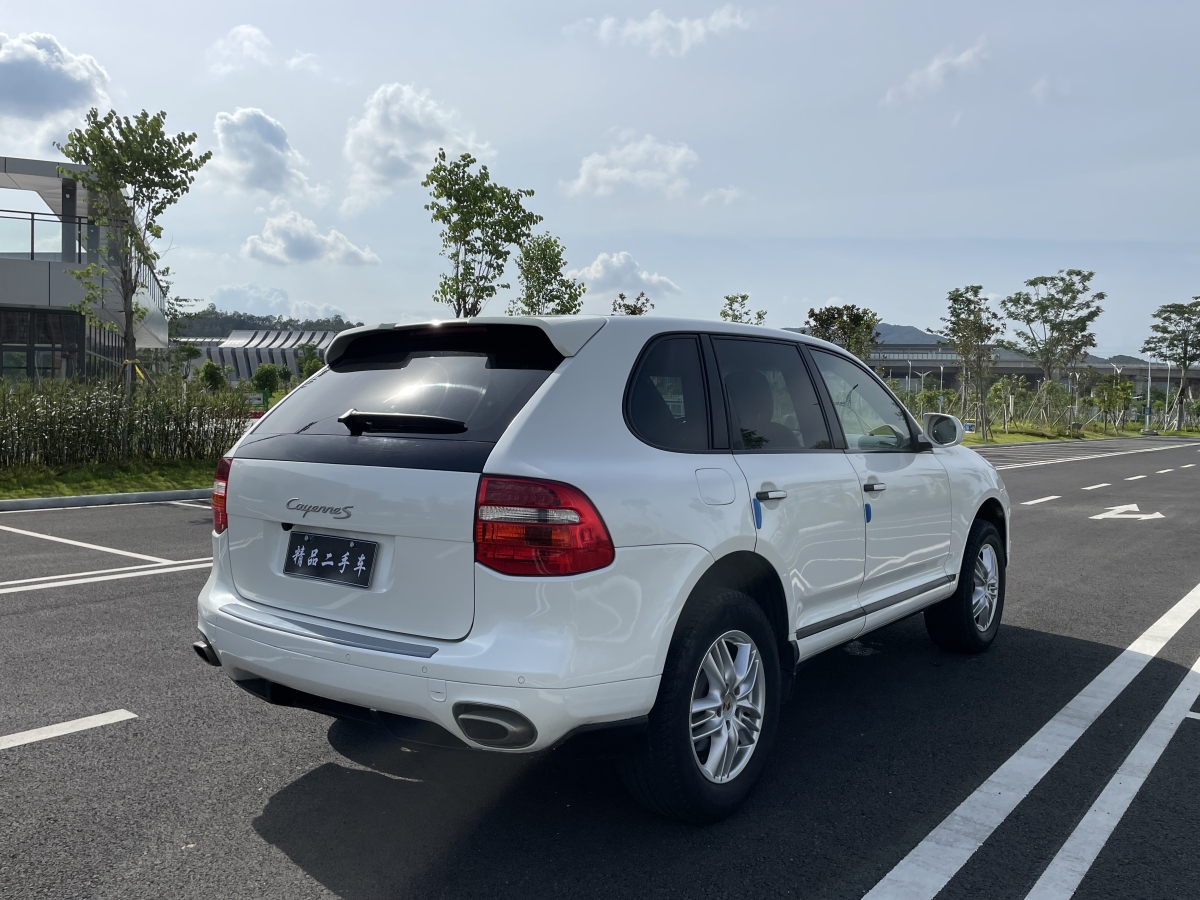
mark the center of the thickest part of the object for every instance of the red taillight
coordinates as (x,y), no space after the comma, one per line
(220,488)
(528,527)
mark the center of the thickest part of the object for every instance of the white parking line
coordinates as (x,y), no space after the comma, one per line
(1092,487)
(1188,466)
(1134,477)
(50,537)
(1163,471)
(1066,870)
(40,734)
(1042,499)
(1062,459)
(103,571)
(67,582)
(933,862)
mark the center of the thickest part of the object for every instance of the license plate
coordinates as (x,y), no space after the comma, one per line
(328,558)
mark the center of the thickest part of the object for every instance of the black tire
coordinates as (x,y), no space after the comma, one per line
(663,772)
(952,623)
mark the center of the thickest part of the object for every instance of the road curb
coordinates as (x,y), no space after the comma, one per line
(103,499)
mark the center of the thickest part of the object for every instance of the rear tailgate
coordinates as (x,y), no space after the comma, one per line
(422,581)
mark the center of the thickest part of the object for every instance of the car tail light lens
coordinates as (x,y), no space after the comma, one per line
(220,488)
(528,527)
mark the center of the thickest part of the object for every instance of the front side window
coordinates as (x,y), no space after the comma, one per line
(772,402)
(667,404)
(870,418)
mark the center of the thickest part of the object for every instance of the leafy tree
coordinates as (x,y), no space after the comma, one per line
(1176,338)
(545,290)
(211,376)
(1055,316)
(971,329)
(481,221)
(849,326)
(736,309)
(307,360)
(266,379)
(638,306)
(285,378)
(1113,394)
(134,172)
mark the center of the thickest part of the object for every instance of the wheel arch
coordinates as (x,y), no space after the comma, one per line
(992,511)
(750,573)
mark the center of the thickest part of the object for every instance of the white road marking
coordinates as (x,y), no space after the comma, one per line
(1163,471)
(103,571)
(1188,466)
(1094,486)
(1193,715)
(40,734)
(67,582)
(933,862)
(50,537)
(1071,864)
(1042,499)
(1128,511)
(1134,477)
(1062,459)
(102,506)
(190,504)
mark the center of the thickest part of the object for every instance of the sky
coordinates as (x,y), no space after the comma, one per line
(874,153)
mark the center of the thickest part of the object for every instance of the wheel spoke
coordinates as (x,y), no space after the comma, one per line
(716,752)
(712,668)
(705,727)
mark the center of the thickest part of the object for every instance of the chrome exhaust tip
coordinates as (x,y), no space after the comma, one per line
(206,652)
(494,726)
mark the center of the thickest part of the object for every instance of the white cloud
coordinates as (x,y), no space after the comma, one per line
(724,196)
(301,60)
(619,272)
(290,238)
(46,89)
(253,151)
(660,34)
(396,139)
(648,163)
(269,301)
(243,47)
(931,78)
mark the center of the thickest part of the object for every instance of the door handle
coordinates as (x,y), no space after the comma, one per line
(771,495)
(874,487)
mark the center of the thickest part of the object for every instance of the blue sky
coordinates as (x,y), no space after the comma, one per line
(870,153)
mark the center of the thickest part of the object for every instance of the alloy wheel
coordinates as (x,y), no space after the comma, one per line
(728,698)
(985,592)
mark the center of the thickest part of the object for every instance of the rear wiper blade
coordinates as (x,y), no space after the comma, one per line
(398,423)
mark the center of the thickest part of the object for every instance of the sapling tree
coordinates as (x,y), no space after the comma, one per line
(545,289)
(481,222)
(737,309)
(850,327)
(133,173)
(638,306)
(1176,338)
(971,329)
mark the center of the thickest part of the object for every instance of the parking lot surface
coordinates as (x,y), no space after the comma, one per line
(1063,762)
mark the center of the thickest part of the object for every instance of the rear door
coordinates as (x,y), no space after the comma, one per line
(807,502)
(907,493)
(431,403)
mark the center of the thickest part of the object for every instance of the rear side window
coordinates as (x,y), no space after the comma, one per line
(666,402)
(772,400)
(444,383)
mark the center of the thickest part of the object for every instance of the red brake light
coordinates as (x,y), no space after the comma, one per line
(220,488)
(528,527)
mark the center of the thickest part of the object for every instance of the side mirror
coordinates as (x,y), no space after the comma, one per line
(944,430)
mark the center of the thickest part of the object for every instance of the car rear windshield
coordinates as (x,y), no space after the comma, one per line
(447,383)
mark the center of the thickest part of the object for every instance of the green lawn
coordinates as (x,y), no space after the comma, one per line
(49,481)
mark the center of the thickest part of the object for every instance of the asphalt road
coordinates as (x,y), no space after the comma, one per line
(210,792)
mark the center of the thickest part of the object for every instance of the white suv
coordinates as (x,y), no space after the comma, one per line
(519,528)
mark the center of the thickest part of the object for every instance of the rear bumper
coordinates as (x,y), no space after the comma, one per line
(367,678)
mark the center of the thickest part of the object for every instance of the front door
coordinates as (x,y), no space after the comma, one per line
(907,492)
(807,502)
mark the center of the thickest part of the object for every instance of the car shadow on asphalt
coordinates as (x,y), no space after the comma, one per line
(881,739)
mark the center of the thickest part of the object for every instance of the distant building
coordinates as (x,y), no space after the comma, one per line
(245,351)
(40,336)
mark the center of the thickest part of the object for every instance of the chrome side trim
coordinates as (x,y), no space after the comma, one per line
(842,619)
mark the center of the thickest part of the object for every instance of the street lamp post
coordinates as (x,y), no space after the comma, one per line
(1146,408)
(1167,400)
(941,384)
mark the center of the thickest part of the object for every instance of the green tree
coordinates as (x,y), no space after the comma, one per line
(850,327)
(638,306)
(736,309)
(266,379)
(307,360)
(545,290)
(1176,338)
(481,222)
(1055,318)
(211,376)
(971,329)
(1113,394)
(134,172)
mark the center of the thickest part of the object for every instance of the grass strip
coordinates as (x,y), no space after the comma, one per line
(19,482)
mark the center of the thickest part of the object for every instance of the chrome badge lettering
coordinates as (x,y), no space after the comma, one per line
(338,512)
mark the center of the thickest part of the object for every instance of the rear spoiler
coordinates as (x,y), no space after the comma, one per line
(568,334)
